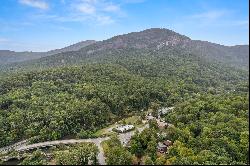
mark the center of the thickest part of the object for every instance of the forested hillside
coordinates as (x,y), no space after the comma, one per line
(55,103)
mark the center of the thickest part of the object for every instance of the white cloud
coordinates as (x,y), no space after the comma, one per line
(35,3)
(233,23)
(99,11)
(211,18)
(111,8)
(61,28)
(14,26)
(210,15)
(134,1)
(216,18)
(104,20)
(86,8)
(93,6)
(91,1)
(241,23)
(3,40)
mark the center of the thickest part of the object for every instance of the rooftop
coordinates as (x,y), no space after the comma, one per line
(165,110)
(167,142)
(125,127)
(161,145)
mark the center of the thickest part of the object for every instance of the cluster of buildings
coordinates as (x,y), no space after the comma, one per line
(161,123)
(162,147)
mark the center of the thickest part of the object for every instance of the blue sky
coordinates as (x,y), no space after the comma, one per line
(42,25)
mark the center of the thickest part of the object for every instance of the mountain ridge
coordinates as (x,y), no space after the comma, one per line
(152,39)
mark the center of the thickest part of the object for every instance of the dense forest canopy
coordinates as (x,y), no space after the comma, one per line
(210,129)
(58,102)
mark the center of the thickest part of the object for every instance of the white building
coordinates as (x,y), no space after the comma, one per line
(124,128)
(163,111)
(150,117)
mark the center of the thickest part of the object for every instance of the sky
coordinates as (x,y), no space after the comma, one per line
(42,25)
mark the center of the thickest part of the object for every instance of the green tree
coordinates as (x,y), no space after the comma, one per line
(160,161)
(81,154)
(36,158)
(118,156)
(152,148)
(147,160)
(153,124)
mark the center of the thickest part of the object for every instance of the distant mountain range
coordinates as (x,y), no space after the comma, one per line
(153,40)
(7,56)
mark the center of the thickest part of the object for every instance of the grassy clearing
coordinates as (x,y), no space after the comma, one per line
(107,131)
(134,120)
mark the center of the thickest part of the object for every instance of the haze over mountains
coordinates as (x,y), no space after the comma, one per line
(7,56)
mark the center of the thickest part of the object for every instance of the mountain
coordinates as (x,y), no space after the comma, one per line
(154,39)
(7,57)
(73,47)
(237,56)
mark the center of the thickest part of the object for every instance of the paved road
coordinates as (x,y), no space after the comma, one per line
(96,141)
(125,137)
(22,146)
(52,143)
(14,146)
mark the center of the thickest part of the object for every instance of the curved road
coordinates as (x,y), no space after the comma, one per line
(14,146)
(123,137)
(22,146)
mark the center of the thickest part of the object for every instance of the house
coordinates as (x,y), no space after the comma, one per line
(125,128)
(162,147)
(162,124)
(167,143)
(163,111)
